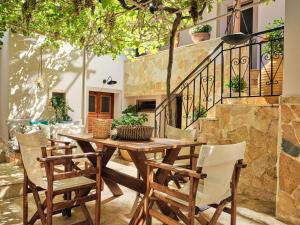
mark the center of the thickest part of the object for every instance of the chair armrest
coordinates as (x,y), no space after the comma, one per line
(68,157)
(179,170)
(59,141)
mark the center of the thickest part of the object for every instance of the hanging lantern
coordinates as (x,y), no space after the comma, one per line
(235,38)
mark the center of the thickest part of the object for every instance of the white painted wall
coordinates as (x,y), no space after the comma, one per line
(62,72)
(291,80)
(268,13)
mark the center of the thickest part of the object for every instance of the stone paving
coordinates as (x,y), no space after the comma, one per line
(116,211)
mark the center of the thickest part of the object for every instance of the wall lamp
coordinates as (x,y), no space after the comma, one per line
(109,81)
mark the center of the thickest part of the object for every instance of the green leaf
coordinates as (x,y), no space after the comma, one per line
(105,3)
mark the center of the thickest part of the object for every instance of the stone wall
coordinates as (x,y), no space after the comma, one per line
(147,75)
(258,126)
(288,200)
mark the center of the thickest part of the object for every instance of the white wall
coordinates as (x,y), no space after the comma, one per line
(4,88)
(291,80)
(268,13)
(62,72)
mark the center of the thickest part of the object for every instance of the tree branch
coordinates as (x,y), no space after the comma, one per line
(175,26)
(200,12)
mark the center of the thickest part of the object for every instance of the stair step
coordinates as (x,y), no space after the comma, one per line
(11,181)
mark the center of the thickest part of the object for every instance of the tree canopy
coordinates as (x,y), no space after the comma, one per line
(102,27)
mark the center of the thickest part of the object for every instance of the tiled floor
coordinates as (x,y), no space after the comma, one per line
(115,211)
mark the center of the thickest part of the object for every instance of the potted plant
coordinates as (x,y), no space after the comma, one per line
(272,51)
(237,84)
(200,33)
(199,112)
(130,119)
(61,109)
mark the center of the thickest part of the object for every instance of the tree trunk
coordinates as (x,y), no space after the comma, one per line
(175,26)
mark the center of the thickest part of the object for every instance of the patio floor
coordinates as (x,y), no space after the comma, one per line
(116,211)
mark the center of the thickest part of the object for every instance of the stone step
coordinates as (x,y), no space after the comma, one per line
(11,181)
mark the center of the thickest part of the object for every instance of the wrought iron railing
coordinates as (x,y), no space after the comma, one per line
(253,69)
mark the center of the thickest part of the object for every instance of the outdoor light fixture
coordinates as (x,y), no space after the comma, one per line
(239,37)
(109,81)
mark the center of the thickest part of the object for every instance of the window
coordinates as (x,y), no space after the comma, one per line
(105,103)
(59,94)
(146,105)
(92,103)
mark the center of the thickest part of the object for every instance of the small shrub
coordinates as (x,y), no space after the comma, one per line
(198,29)
(61,109)
(199,112)
(237,84)
(275,47)
(130,116)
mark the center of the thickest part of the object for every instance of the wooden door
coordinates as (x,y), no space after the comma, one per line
(101,105)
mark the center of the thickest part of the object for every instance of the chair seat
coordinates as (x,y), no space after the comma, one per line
(70,183)
(201,198)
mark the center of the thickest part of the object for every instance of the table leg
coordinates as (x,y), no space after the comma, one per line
(107,154)
(161,177)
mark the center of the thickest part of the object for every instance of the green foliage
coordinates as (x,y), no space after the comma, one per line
(198,29)
(275,44)
(130,119)
(61,109)
(199,112)
(237,84)
(102,27)
(130,116)
(131,109)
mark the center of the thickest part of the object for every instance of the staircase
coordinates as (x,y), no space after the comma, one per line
(227,74)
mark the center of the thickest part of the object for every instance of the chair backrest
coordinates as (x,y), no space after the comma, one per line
(218,162)
(189,134)
(30,147)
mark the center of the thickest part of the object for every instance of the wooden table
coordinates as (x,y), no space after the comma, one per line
(137,151)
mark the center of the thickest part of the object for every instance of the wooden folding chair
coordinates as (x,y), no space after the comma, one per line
(213,184)
(39,176)
(187,156)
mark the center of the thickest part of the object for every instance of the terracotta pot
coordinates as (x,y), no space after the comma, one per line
(202,36)
(125,155)
(265,80)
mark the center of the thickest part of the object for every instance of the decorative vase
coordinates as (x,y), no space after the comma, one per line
(201,36)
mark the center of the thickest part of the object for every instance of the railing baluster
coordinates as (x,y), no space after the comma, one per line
(214,90)
(187,106)
(249,67)
(260,62)
(271,75)
(206,92)
(193,108)
(222,72)
(230,73)
(240,70)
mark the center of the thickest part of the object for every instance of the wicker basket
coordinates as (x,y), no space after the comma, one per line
(134,133)
(101,128)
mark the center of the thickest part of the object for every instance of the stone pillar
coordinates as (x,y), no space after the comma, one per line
(288,192)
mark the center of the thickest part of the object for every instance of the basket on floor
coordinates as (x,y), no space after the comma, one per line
(101,128)
(134,133)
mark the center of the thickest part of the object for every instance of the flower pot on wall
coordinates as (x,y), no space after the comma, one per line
(275,67)
(201,36)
